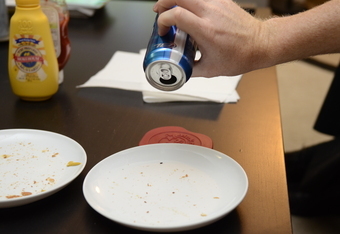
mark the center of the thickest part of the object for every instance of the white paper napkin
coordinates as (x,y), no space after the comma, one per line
(125,71)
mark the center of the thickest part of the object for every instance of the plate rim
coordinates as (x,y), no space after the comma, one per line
(172,228)
(36,197)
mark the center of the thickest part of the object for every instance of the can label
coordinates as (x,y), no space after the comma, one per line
(28,58)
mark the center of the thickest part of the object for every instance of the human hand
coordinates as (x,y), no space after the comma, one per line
(230,39)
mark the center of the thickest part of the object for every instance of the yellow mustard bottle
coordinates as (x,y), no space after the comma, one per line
(32,62)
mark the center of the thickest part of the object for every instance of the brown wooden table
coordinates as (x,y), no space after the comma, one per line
(105,121)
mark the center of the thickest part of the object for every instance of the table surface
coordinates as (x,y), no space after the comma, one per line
(105,121)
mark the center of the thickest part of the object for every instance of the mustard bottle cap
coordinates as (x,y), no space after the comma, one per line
(27,3)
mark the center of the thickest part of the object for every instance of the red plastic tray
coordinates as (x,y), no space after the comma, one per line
(173,134)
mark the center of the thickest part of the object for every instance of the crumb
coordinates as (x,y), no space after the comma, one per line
(54,155)
(203,215)
(186,175)
(12,196)
(26,193)
(5,156)
(145,202)
(148,212)
(149,185)
(173,192)
(71,164)
(161,163)
(50,180)
(216,197)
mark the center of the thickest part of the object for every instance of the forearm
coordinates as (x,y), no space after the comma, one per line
(313,32)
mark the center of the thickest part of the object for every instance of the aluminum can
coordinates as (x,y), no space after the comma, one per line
(169,59)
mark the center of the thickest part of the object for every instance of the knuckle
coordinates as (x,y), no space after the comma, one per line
(178,13)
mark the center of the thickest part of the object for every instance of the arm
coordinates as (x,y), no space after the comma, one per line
(316,31)
(233,42)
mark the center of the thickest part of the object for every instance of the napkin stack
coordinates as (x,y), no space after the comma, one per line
(125,71)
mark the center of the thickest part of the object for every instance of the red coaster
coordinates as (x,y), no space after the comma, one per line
(172,134)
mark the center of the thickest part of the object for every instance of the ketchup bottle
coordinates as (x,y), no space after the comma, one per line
(58,16)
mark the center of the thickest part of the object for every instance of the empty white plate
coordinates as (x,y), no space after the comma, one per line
(165,187)
(35,164)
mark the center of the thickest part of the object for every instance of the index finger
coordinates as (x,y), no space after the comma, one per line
(181,18)
(195,6)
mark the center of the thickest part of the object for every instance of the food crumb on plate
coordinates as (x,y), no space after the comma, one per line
(71,164)
(23,194)
(12,196)
(203,215)
(5,156)
(186,175)
(26,193)
(49,179)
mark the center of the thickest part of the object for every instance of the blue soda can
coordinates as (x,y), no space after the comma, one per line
(169,59)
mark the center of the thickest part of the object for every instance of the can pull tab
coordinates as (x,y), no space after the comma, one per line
(166,76)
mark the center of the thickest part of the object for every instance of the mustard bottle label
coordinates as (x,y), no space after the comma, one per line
(28,58)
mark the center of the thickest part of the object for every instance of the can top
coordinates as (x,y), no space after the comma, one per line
(165,75)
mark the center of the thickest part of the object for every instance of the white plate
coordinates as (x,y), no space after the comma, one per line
(165,187)
(33,165)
